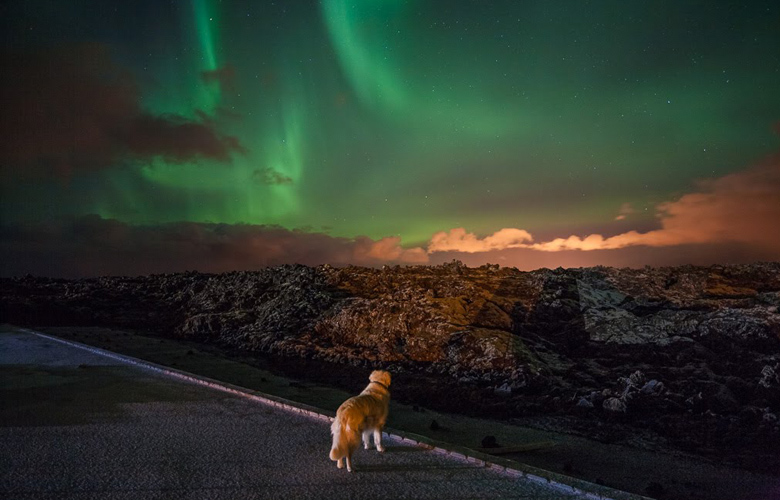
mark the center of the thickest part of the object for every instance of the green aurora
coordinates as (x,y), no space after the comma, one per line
(404,118)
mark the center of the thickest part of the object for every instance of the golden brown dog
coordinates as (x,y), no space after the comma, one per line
(362,414)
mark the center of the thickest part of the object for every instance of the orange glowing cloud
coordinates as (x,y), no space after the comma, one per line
(459,240)
(388,250)
(743,207)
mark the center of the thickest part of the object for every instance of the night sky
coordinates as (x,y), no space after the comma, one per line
(156,136)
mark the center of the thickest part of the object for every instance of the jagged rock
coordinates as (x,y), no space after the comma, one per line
(584,403)
(636,379)
(769,377)
(652,387)
(503,390)
(615,405)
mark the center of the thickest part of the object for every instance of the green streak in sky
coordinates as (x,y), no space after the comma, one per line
(206,24)
(204,19)
(355,34)
(393,77)
(261,186)
(178,86)
(283,153)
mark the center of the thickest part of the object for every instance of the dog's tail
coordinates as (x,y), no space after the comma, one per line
(345,438)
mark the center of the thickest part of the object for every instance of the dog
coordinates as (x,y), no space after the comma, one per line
(362,414)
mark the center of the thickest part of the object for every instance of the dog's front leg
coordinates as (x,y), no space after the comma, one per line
(378,440)
(349,463)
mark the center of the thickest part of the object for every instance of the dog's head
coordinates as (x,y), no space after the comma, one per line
(380,376)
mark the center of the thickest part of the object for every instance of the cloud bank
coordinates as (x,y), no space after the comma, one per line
(729,219)
(93,246)
(71,108)
(739,208)
(459,240)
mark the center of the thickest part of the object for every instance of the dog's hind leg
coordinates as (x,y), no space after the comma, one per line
(367,439)
(378,440)
(349,463)
(340,463)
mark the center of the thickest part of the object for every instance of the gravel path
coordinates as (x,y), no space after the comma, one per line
(81,425)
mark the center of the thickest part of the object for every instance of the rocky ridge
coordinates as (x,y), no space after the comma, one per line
(691,353)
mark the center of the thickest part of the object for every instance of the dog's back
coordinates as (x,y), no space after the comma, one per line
(356,415)
(366,411)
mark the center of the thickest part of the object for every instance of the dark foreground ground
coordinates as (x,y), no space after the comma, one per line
(640,463)
(84,426)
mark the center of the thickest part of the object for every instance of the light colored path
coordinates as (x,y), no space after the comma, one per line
(81,425)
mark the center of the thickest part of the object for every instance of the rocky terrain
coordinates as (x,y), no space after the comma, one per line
(687,355)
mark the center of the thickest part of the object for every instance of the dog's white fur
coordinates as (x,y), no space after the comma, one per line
(362,414)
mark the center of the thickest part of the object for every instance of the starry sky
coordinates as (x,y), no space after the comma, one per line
(155,136)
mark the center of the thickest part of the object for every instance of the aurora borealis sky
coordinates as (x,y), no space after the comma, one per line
(154,136)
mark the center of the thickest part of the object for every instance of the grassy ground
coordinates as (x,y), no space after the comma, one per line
(658,474)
